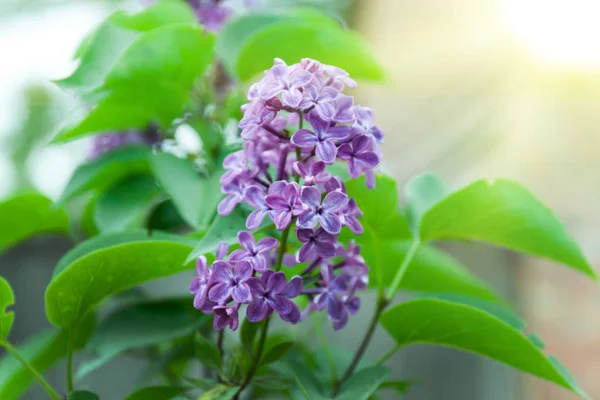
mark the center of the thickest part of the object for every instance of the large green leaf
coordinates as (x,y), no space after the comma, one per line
(82,395)
(26,215)
(446,323)
(100,273)
(386,242)
(156,393)
(105,171)
(101,50)
(196,197)
(293,36)
(126,205)
(7,299)
(41,351)
(500,212)
(363,383)
(140,325)
(150,82)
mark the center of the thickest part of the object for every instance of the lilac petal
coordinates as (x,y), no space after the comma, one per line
(325,110)
(270,90)
(227,205)
(368,158)
(259,263)
(255,218)
(201,267)
(326,151)
(289,260)
(311,197)
(200,298)
(354,168)
(304,235)
(325,249)
(238,255)
(361,143)
(277,187)
(222,271)
(220,292)
(234,321)
(322,236)
(195,285)
(242,271)
(300,77)
(291,192)
(320,301)
(328,94)
(370,175)
(308,220)
(331,223)
(291,98)
(340,323)
(353,304)
(293,317)
(345,152)
(222,250)
(282,220)
(279,70)
(266,244)
(334,201)
(300,168)
(247,241)
(241,294)
(293,288)
(257,288)
(339,284)
(337,133)
(335,307)
(306,252)
(354,224)
(255,196)
(276,283)
(317,168)
(281,304)
(257,310)
(318,124)
(277,202)
(219,322)
(304,138)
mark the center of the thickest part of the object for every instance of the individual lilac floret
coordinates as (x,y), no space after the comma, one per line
(285,81)
(332,294)
(285,206)
(271,293)
(201,284)
(359,155)
(226,316)
(316,243)
(326,212)
(322,138)
(235,192)
(253,252)
(350,216)
(313,175)
(319,96)
(231,282)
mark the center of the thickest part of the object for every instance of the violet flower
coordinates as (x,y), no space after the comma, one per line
(201,284)
(350,216)
(325,212)
(322,137)
(331,294)
(359,155)
(271,293)
(285,206)
(252,252)
(226,316)
(231,282)
(316,243)
(285,81)
(313,175)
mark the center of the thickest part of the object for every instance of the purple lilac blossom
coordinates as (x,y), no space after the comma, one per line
(299,119)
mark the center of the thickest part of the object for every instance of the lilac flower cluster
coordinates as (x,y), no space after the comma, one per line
(297,123)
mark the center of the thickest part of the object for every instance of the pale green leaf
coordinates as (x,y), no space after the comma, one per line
(363,383)
(446,323)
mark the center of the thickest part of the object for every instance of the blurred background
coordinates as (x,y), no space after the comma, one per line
(477,88)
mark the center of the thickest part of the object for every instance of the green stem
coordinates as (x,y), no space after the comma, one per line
(402,270)
(49,389)
(70,361)
(387,355)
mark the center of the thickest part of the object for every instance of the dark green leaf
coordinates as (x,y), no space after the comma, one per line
(140,325)
(468,328)
(401,387)
(220,392)
(41,351)
(272,382)
(82,395)
(88,225)
(105,171)
(156,393)
(125,205)
(207,352)
(101,273)
(195,196)
(165,217)
(149,83)
(247,334)
(292,36)
(7,299)
(27,215)
(202,383)
(506,214)
(363,383)
(276,353)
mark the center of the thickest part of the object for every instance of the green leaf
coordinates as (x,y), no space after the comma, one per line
(101,50)
(88,225)
(387,239)
(502,213)
(7,299)
(165,217)
(207,352)
(220,392)
(140,325)
(202,383)
(293,36)
(108,169)
(276,353)
(222,229)
(156,393)
(248,333)
(41,351)
(195,196)
(106,271)
(28,215)
(468,328)
(125,206)
(421,194)
(401,387)
(150,82)
(363,383)
(82,395)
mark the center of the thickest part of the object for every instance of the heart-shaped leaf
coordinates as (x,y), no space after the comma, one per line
(501,212)
(29,214)
(7,299)
(100,273)
(363,383)
(446,323)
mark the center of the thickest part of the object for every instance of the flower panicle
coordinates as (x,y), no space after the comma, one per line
(297,122)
